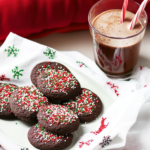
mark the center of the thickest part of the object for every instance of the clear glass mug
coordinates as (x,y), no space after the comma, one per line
(116,61)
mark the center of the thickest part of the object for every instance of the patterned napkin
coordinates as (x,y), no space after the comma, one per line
(17,58)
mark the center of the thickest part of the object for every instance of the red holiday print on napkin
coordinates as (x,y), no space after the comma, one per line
(114,87)
(85,143)
(101,128)
(3,78)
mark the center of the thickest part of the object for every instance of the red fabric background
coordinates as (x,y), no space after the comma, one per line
(37,18)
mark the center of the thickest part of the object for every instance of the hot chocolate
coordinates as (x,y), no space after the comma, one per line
(116,53)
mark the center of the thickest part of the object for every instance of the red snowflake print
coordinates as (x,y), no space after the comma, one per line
(113,86)
(101,128)
(2,78)
(145,85)
(85,143)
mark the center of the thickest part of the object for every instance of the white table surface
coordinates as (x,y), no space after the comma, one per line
(81,41)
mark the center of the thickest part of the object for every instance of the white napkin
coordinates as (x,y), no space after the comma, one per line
(17,58)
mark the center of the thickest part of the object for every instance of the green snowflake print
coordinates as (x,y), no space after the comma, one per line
(12,51)
(17,72)
(81,64)
(50,52)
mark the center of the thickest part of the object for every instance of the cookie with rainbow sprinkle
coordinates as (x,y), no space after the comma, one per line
(6,91)
(58,119)
(58,84)
(87,105)
(26,101)
(44,140)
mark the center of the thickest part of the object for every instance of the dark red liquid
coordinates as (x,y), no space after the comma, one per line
(115,60)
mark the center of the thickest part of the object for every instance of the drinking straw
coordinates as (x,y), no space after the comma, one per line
(124,8)
(138,13)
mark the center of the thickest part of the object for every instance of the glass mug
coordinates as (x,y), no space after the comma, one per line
(116,61)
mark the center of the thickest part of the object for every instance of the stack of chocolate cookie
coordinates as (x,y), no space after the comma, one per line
(58,122)
(56,101)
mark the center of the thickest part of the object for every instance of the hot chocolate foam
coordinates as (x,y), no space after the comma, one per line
(108,23)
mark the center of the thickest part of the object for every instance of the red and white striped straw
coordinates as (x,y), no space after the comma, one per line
(138,13)
(124,8)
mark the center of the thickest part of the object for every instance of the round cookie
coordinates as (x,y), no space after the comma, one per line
(41,67)
(26,101)
(58,84)
(58,119)
(5,93)
(87,105)
(44,140)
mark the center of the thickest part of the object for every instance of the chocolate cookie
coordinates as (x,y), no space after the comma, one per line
(26,101)
(58,119)
(44,140)
(58,84)
(87,105)
(5,93)
(41,67)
